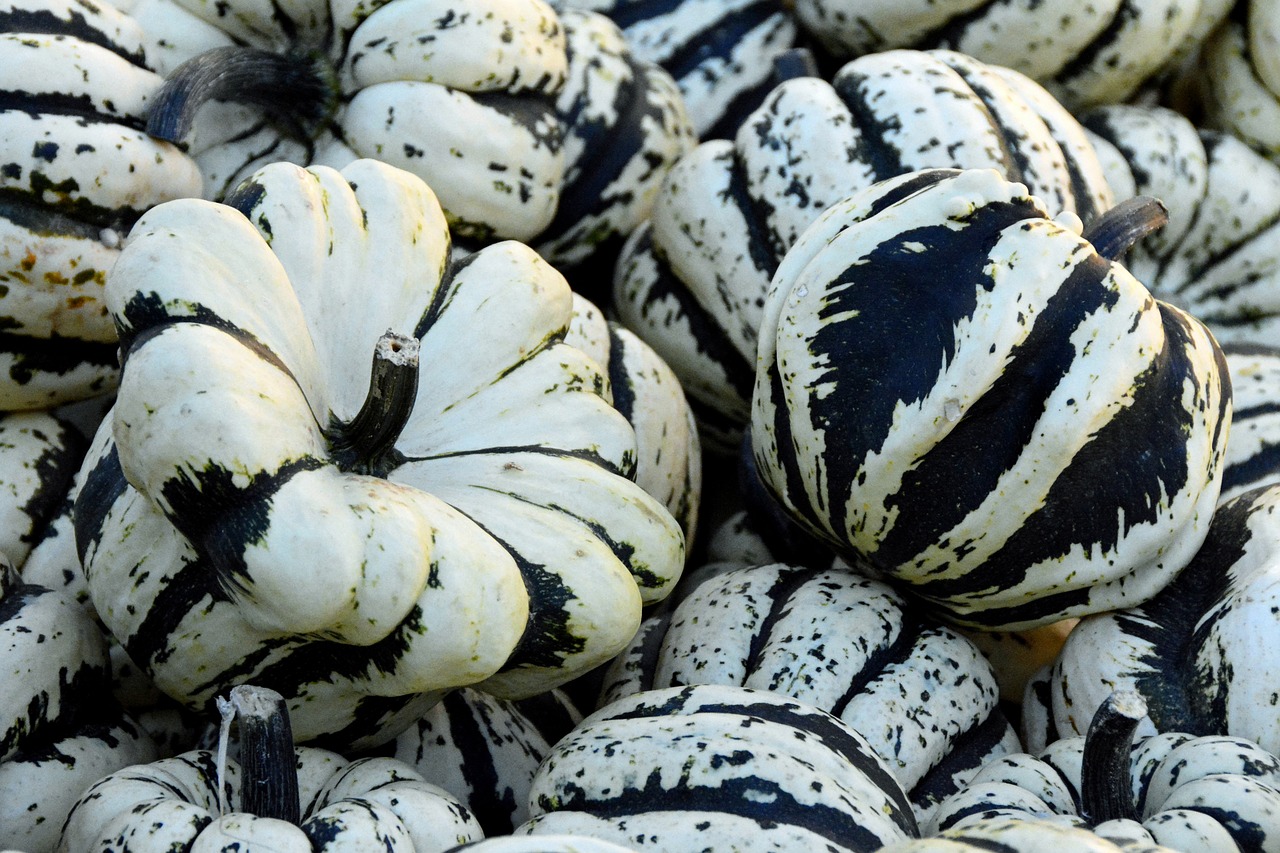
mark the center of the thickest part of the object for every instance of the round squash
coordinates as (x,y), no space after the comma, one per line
(262,506)
(1253,447)
(1238,79)
(1025,438)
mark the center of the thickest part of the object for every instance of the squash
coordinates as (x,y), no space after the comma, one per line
(1253,447)
(76,171)
(1188,793)
(691,282)
(477,526)
(542,844)
(276,797)
(1099,53)
(720,52)
(1238,79)
(766,773)
(923,696)
(528,125)
(1193,651)
(1023,834)
(961,434)
(1219,255)
(59,729)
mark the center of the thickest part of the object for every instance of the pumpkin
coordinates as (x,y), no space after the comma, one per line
(1193,651)
(276,797)
(478,526)
(528,125)
(679,769)
(1099,53)
(59,730)
(1238,77)
(76,171)
(922,696)
(691,281)
(962,434)
(648,394)
(1219,255)
(1185,792)
(720,52)
(1253,447)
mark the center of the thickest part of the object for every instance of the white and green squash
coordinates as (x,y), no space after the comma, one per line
(360,541)
(1253,447)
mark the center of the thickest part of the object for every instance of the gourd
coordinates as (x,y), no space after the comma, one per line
(276,797)
(1238,78)
(543,844)
(961,434)
(528,125)
(1101,53)
(470,495)
(39,456)
(1219,255)
(1185,792)
(76,171)
(59,729)
(767,773)
(921,695)
(691,281)
(720,52)
(1193,651)
(1253,447)
(1015,835)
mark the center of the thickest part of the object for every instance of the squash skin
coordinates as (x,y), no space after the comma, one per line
(505,543)
(869,365)
(1253,448)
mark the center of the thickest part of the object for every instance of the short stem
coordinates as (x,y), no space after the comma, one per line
(1106,770)
(367,441)
(268,766)
(1114,232)
(293,88)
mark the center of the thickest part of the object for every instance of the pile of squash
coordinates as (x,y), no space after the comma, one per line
(614,426)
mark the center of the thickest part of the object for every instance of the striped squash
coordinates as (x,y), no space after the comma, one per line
(1098,53)
(479,525)
(1253,447)
(744,770)
(1238,79)
(720,52)
(1196,651)
(691,281)
(542,844)
(76,171)
(528,125)
(974,400)
(1023,834)
(923,696)
(1187,793)
(59,729)
(1219,255)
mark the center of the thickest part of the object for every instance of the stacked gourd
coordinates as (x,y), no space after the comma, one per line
(374,455)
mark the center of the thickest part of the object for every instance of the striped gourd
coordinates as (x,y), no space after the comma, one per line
(542,844)
(357,543)
(1238,79)
(485,750)
(1188,793)
(720,52)
(923,696)
(1219,255)
(59,729)
(1022,834)
(737,769)
(1098,53)
(76,171)
(275,797)
(1253,447)
(648,394)
(39,456)
(528,125)
(1197,651)
(974,400)
(691,281)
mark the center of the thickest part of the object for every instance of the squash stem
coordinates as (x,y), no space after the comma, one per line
(298,90)
(1106,783)
(268,768)
(366,444)
(1114,232)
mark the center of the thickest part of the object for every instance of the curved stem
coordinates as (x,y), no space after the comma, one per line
(291,87)
(268,766)
(366,444)
(1114,232)
(1106,783)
